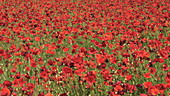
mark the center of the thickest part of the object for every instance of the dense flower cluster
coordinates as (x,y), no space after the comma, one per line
(84,48)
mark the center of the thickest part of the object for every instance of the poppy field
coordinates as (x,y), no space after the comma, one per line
(84,48)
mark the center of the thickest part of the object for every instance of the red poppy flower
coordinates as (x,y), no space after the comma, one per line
(30,86)
(154,91)
(163,53)
(143,95)
(147,84)
(66,49)
(66,70)
(79,72)
(64,94)
(1,52)
(48,94)
(168,75)
(90,79)
(7,83)
(5,92)
(152,70)
(160,60)
(41,94)
(75,46)
(118,88)
(147,75)
(1,71)
(50,52)
(128,77)
(44,75)
(100,59)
